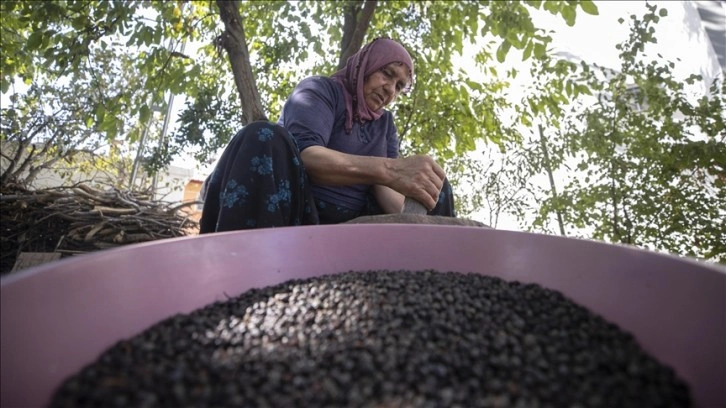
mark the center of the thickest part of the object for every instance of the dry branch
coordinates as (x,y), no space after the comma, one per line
(80,219)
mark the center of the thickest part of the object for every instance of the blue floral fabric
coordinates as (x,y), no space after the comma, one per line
(260,182)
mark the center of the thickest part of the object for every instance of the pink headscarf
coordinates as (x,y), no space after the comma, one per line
(372,57)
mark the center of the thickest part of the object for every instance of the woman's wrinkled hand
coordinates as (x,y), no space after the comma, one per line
(418,177)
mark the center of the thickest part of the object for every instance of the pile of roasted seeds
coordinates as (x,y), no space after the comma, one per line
(381,339)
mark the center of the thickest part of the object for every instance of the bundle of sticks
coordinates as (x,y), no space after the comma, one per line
(80,219)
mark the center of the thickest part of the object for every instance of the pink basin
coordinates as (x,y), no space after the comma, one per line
(58,317)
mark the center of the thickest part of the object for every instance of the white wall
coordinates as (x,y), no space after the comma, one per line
(170,184)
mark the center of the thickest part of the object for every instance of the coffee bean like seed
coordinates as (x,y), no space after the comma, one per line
(381,338)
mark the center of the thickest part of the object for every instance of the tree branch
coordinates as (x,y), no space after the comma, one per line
(628,225)
(10,170)
(613,196)
(355,40)
(548,169)
(25,162)
(233,41)
(35,170)
(349,22)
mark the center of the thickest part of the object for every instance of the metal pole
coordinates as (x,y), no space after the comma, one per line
(165,127)
(137,161)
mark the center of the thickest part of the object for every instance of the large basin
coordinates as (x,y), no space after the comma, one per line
(58,317)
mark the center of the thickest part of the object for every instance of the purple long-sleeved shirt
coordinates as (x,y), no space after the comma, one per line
(315,116)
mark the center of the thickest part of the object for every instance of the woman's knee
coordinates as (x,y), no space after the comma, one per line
(266,132)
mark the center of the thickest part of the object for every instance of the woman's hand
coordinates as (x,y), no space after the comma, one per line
(418,177)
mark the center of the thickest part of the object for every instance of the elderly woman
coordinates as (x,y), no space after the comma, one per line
(332,157)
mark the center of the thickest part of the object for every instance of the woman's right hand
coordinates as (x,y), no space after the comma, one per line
(418,177)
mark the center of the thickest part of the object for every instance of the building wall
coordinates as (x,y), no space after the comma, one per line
(192,190)
(170,185)
(191,193)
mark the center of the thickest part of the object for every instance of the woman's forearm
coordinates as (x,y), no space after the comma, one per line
(329,167)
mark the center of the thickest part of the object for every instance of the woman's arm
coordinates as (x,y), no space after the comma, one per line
(419,177)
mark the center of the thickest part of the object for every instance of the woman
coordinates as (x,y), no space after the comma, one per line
(332,157)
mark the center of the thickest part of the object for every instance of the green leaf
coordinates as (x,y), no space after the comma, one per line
(539,50)
(132,39)
(147,36)
(144,114)
(552,6)
(503,50)
(534,107)
(662,12)
(513,38)
(474,85)
(35,40)
(569,14)
(524,119)
(583,89)
(589,7)
(111,127)
(100,113)
(527,51)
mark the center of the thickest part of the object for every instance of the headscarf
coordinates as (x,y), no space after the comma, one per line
(372,57)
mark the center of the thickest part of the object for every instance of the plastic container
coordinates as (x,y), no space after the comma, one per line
(58,317)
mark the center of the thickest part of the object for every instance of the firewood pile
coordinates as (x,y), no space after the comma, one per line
(80,219)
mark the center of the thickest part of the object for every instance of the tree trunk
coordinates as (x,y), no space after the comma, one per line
(233,41)
(355,28)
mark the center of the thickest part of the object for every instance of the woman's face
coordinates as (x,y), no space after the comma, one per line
(383,86)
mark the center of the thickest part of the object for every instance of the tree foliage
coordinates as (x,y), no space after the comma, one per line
(639,162)
(652,157)
(49,41)
(110,63)
(49,126)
